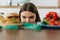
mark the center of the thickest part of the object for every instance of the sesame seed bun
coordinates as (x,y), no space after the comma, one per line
(12,14)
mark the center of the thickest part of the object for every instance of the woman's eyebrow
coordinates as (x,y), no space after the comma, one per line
(31,16)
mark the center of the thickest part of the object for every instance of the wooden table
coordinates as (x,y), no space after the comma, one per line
(44,34)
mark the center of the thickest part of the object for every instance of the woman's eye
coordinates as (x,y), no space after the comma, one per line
(23,17)
(31,17)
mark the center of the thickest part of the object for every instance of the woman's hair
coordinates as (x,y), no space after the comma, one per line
(32,8)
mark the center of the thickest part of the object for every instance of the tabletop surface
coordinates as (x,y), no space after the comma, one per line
(30,35)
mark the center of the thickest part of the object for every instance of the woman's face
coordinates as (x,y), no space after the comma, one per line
(28,16)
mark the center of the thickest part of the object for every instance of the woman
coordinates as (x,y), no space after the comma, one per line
(28,13)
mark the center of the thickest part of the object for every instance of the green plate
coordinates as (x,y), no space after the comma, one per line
(11,27)
(0,27)
(32,26)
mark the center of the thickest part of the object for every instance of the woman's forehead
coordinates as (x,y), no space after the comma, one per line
(28,13)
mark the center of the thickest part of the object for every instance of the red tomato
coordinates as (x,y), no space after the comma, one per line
(56,22)
(51,23)
(59,23)
(52,16)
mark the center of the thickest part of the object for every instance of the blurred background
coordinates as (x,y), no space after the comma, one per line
(43,6)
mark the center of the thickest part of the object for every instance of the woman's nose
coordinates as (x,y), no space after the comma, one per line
(27,20)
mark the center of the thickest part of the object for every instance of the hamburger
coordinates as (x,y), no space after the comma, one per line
(12,18)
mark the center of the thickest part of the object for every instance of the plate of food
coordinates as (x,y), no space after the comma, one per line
(51,21)
(11,26)
(49,26)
